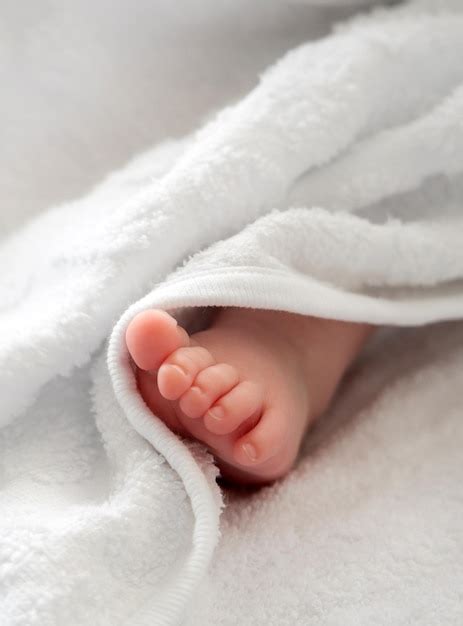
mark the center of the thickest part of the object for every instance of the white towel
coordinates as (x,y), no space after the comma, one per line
(112,519)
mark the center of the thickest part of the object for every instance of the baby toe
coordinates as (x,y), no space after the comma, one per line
(209,385)
(234,408)
(264,441)
(180,369)
(151,336)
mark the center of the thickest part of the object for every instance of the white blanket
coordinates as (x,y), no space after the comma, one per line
(107,517)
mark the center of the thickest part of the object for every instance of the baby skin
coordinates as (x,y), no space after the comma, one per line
(248,387)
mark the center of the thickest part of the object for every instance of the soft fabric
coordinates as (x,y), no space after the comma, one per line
(89,85)
(107,517)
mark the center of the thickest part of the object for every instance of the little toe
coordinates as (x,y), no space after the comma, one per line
(264,441)
(209,385)
(235,408)
(180,369)
(151,336)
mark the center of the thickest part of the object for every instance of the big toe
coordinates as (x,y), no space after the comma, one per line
(152,336)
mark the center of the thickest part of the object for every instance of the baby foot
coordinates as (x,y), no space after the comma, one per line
(246,387)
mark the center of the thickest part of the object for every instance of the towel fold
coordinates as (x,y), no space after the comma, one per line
(333,189)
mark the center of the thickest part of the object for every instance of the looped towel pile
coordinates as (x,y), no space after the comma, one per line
(335,188)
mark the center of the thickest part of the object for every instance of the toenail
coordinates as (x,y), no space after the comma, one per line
(217,413)
(250,451)
(178,368)
(170,317)
(164,369)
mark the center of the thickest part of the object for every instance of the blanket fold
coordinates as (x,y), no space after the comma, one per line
(335,189)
